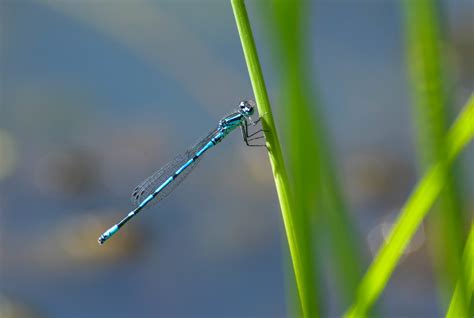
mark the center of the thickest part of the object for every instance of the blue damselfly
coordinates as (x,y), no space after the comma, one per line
(164,181)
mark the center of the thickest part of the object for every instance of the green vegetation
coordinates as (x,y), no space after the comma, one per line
(311,199)
(295,239)
(320,204)
(430,103)
(411,216)
(458,307)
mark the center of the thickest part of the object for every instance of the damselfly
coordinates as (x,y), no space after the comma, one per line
(164,181)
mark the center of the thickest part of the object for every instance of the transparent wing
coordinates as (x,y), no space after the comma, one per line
(150,184)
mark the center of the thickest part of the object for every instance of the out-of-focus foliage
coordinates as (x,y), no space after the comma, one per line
(426,61)
(411,216)
(463,296)
(321,208)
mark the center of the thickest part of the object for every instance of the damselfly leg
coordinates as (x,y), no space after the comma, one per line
(248,136)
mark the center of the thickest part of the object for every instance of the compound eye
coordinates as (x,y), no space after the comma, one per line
(247,106)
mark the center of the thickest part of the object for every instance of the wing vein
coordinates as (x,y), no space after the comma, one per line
(150,184)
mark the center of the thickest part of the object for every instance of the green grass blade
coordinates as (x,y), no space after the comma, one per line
(459,306)
(276,158)
(284,20)
(411,215)
(430,109)
(317,191)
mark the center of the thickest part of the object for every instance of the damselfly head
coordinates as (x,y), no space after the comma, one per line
(246,107)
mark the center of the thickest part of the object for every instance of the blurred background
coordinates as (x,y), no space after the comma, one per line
(96,96)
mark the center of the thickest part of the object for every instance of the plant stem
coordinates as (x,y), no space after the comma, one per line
(425,61)
(275,153)
(317,189)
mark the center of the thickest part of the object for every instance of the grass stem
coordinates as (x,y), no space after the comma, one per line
(275,156)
